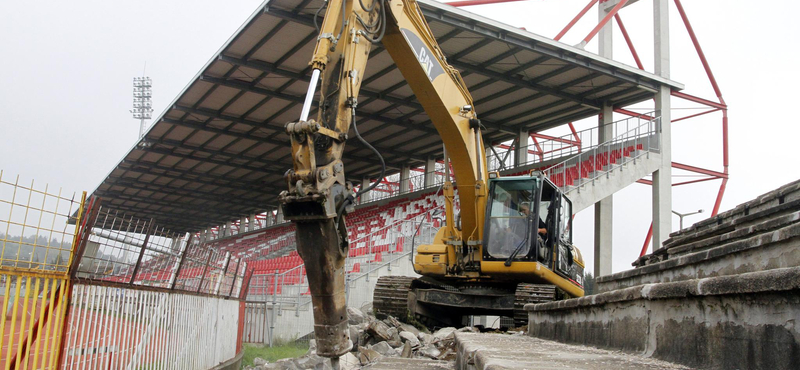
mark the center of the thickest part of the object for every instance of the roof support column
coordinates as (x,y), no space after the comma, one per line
(279,216)
(521,151)
(662,178)
(430,172)
(405,173)
(604,209)
(365,183)
(228,229)
(251,222)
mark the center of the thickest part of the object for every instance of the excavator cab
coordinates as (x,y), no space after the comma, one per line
(528,219)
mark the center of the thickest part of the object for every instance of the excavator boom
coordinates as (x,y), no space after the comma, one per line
(319,197)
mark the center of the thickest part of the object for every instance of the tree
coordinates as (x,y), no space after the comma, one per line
(588,284)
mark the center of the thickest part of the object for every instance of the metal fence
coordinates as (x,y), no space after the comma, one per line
(34,232)
(88,287)
(119,328)
(131,251)
(146,297)
(37,240)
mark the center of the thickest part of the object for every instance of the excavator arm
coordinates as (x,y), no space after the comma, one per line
(319,197)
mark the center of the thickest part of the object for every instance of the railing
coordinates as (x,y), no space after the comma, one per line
(290,288)
(641,137)
(270,295)
(543,149)
(394,186)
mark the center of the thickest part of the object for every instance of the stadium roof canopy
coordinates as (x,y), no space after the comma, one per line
(219,151)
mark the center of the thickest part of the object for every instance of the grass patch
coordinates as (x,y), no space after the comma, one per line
(290,350)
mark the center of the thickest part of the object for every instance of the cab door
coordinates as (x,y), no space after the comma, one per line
(562,236)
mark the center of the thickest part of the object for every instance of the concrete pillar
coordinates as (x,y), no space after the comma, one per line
(405,173)
(269,220)
(279,216)
(521,151)
(430,172)
(251,222)
(366,197)
(604,209)
(228,229)
(604,36)
(662,178)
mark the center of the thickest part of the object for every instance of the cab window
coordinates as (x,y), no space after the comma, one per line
(509,221)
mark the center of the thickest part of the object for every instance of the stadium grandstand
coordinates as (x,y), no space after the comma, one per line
(212,164)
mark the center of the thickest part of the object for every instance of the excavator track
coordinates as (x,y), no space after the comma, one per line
(391,296)
(530,293)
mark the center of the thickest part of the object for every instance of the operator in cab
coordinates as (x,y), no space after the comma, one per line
(525,209)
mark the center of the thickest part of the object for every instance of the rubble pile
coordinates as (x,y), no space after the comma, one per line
(374,339)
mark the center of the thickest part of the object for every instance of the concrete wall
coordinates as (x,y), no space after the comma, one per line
(743,321)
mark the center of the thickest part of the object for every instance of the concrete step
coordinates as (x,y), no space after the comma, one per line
(770,244)
(758,235)
(767,206)
(397,363)
(503,351)
(745,321)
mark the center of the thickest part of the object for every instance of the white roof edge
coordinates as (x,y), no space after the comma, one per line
(551,42)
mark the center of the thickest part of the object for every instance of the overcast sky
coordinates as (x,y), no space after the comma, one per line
(66,70)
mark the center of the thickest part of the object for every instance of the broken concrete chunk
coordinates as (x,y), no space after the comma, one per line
(392,321)
(444,333)
(385,349)
(410,338)
(286,364)
(430,351)
(410,328)
(355,316)
(407,352)
(425,338)
(367,356)
(349,362)
(448,355)
(396,341)
(379,330)
(310,362)
(258,361)
(355,335)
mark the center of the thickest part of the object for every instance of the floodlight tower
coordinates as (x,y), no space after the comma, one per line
(142,103)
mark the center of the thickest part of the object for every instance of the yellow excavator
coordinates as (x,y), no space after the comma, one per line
(509,245)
